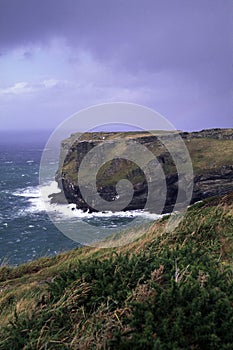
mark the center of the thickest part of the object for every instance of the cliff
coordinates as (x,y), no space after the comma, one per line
(210,152)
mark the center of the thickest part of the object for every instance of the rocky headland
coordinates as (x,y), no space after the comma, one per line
(210,151)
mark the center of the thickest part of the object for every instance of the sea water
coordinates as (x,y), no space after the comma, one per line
(26,230)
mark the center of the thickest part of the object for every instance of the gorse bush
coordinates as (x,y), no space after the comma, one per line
(176,293)
(190,306)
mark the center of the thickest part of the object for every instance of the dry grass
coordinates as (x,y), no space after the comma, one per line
(24,289)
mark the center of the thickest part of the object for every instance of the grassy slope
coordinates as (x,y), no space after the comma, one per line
(163,291)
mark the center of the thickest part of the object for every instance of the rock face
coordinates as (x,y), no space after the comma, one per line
(213,183)
(210,151)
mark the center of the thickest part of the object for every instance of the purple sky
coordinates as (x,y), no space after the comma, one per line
(57,57)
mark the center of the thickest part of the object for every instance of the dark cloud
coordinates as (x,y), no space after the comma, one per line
(190,41)
(152,35)
(159,33)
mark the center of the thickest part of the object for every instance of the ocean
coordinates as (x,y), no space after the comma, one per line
(26,230)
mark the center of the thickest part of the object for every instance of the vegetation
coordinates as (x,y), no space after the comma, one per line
(204,158)
(167,290)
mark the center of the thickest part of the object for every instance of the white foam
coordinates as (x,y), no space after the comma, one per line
(33,196)
(39,203)
(28,192)
(70,211)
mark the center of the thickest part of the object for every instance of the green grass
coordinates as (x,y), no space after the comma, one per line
(166,290)
(209,154)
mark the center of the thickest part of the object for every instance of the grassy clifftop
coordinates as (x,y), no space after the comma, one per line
(164,291)
(209,149)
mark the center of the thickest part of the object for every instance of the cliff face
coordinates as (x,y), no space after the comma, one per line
(210,152)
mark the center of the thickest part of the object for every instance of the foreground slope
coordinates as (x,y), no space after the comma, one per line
(164,291)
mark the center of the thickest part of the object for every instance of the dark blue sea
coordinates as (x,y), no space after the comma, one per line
(26,230)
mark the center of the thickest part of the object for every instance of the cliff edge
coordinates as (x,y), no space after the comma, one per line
(210,151)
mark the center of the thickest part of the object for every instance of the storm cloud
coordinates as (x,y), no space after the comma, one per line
(60,56)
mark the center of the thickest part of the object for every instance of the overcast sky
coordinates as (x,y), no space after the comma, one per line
(57,57)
